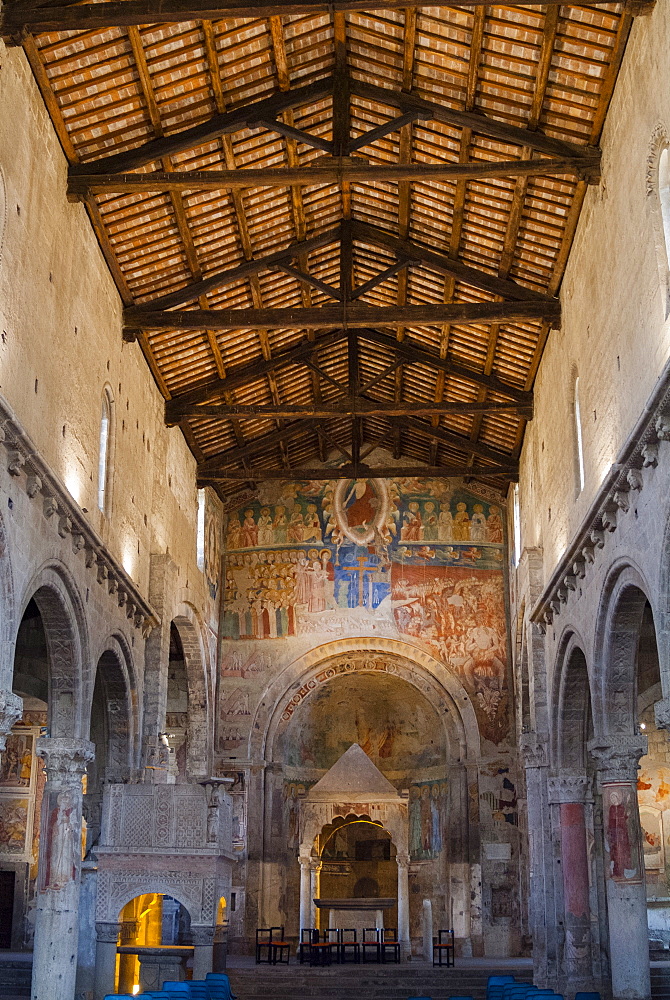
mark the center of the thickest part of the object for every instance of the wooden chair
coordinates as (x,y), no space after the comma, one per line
(307,937)
(321,952)
(279,947)
(331,935)
(370,942)
(443,946)
(263,941)
(349,940)
(389,941)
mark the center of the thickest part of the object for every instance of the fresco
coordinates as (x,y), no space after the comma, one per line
(395,725)
(398,557)
(427,802)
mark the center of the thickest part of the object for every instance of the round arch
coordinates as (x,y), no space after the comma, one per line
(64,621)
(190,636)
(624,596)
(115,673)
(305,674)
(571,704)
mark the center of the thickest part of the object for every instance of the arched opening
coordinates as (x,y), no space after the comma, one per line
(575,717)
(105,451)
(110,731)
(664,198)
(177,707)
(358,862)
(186,708)
(153,920)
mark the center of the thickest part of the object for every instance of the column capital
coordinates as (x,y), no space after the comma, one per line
(203,935)
(107,933)
(11,710)
(65,759)
(618,756)
(402,859)
(567,788)
(315,864)
(534,750)
(304,856)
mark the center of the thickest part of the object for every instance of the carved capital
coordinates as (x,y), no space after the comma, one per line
(107,933)
(569,788)
(11,710)
(402,860)
(202,936)
(617,757)
(533,749)
(65,759)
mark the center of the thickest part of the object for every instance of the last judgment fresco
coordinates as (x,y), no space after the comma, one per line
(420,558)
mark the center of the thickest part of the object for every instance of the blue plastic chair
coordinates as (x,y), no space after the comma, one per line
(587,996)
(175,986)
(199,989)
(218,985)
(461,998)
(119,996)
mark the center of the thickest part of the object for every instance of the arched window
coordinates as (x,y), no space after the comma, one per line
(200,531)
(516,525)
(104,453)
(664,198)
(579,444)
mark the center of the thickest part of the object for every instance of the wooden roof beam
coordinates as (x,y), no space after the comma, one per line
(452,440)
(17,19)
(348,406)
(176,409)
(254,446)
(353,315)
(326,170)
(221,124)
(408,249)
(418,355)
(508,471)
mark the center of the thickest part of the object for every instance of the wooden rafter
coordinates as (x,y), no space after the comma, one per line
(508,471)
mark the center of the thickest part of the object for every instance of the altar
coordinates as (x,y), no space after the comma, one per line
(356,914)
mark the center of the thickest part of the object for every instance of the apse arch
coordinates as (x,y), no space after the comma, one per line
(64,620)
(306,673)
(623,599)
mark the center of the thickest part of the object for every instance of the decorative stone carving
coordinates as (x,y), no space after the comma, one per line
(588,553)
(533,749)
(569,788)
(635,479)
(608,518)
(65,759)
(11,710)
(662,713)
(579,569)
(33,485)
(107,932)
(64,525)
(650,455)
(622,500)
(15,462)
(202,935)
(402,860)
(570,581)
(662,427)
(78,541)
(618,756)
(597,539)
(50,506)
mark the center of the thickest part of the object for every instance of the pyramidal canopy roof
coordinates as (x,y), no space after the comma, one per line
(352,775)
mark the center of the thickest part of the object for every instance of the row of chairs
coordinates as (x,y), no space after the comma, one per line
(342,943)
(506,987)
(215,986)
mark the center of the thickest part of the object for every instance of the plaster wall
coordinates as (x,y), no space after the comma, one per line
(615,334)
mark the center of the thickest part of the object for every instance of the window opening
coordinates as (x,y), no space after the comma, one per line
(103,460)
(516,524)
(578,438)
(664,197)
(200,531)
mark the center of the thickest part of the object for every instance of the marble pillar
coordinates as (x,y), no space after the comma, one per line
(105,958)
(128,968)
(57,901)
(533,748)
(314,888)
(617,758)
(402,861)
(305,898)
(570,792)
(203,950)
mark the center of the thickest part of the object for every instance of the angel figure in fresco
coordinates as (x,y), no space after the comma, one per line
(461,523)
(265,531)
(445,524)
(429,522)
(478,524)
(412,528)
(494,525)
(249,530)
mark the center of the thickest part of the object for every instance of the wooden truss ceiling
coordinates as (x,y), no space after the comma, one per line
(333,228)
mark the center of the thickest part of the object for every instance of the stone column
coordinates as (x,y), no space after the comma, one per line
(570,793)
(11,710)
(203,950)
(533,748)
(305,899)
(128,963)
(314,888)
(105,958)
(402,861)
(617,757)
(57,905)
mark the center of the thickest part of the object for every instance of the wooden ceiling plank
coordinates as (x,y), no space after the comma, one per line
(347,406)
(509,470)
(453,440)
(254,445)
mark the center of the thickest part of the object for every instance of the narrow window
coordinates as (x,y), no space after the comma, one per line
(103,457)
(516,525)
(664,196)
(579,444)
(200,531)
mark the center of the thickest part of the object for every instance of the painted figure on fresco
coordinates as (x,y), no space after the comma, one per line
(478,524)
(361,504)
(249,530)
(445,524)
(295,528)
(13,825)
(234,534)
(652,838)
(280,526)
(621,864)
(265,529)
(16,765)
(63,838)
(425,821)
(312,526)
(412,529)
(494,525)
(461,523)
(429,522)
